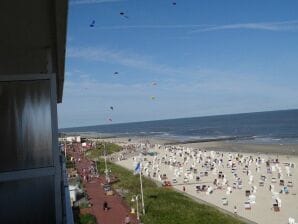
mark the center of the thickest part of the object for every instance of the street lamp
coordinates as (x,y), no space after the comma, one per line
(135,198)
(106,167)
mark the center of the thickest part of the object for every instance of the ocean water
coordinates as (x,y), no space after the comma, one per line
(263,127)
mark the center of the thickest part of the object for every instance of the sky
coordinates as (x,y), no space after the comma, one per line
(192,58)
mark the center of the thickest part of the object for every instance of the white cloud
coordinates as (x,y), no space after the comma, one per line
(291,25)
(121,58)
(269,26)
(88,2)
(153,27)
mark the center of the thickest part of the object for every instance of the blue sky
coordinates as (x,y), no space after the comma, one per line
(207,57)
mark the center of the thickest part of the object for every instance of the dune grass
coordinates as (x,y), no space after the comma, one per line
(110,148)
(166,206)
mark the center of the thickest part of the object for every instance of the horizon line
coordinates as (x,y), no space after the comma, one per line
(167,119)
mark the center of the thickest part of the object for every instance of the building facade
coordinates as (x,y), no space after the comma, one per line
(32,56)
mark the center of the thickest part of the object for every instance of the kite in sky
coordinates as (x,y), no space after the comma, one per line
(112,108)
(154,83)
(123,14)
(152,97)
(92,23)
(110,119)
(116,73)
(174,3)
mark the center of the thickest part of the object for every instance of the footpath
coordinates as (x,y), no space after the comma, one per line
(118,209)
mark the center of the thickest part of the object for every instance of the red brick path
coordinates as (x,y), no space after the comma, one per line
(118,209)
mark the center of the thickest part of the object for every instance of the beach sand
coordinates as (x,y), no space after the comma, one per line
(261,212)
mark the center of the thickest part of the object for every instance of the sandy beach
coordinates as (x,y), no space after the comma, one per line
(245,167)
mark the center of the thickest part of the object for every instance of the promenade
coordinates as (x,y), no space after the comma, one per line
(93,188)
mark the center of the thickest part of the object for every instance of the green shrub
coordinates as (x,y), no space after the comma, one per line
(87,219)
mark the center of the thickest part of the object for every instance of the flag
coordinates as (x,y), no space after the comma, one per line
(138,168)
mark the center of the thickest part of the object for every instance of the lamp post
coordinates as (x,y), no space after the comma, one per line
(135,198)
(106,166)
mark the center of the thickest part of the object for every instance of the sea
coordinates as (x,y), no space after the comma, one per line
(261,127)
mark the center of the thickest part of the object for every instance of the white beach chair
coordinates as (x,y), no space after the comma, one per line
(252,199)
(229,190)
(224,201)
(291,221)
(247,205)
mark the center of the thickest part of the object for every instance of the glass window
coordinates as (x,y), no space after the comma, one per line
(32,200)
(26,130)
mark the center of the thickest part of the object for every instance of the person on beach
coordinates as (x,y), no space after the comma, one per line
(184,189)
(235,210)
(105,206)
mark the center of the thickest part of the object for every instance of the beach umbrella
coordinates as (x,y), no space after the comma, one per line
(92,24)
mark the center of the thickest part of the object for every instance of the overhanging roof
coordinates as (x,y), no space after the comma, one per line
(33,38)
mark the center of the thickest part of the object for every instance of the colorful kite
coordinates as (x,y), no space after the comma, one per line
(92,23)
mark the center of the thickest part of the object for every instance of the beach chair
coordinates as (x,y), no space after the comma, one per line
(290,184)
(261,183)
(224,201)
(167,183)
(281,182)
(252,199)
(247,193)
(291,221)
(275,207)
(247,205)
(263,178)
(204,188)
(273,180)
